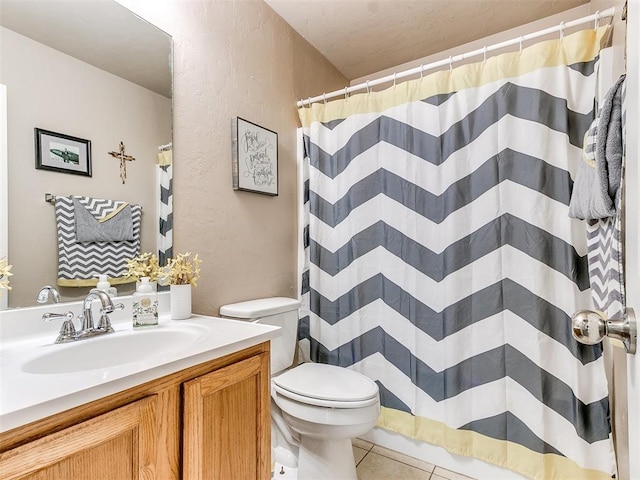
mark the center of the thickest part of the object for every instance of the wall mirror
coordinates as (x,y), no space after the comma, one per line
(85,69)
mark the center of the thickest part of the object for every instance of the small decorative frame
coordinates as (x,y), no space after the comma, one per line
(62,153)
(254,157)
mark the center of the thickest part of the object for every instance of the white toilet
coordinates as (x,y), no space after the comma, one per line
(319,407)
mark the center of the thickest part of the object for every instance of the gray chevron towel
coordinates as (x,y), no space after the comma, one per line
(604,235)
(80,263)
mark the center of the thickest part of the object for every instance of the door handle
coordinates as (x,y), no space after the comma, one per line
(591,327)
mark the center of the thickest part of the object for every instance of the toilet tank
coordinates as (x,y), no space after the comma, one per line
(278,311)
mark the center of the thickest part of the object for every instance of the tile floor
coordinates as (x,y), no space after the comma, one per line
(377,463)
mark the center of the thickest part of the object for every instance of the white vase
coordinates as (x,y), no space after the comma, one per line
(180,302)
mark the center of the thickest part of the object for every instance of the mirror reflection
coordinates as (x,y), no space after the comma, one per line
(92,71)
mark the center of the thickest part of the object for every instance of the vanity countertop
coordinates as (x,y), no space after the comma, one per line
(32,387)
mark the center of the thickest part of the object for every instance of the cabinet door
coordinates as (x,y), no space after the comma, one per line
(227,424)
(119,445)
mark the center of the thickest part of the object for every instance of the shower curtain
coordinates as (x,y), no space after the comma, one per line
(165,203)
(439,259)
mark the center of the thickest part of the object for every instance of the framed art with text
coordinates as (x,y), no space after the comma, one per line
(255,157)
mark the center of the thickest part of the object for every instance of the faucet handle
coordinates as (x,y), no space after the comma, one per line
(105,323)
(117,306)
(67,330)
(48,317)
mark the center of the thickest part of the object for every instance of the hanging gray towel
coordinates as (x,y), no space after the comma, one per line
(79,264)
(604,236)
(99,220)
(586,200)
(597,184)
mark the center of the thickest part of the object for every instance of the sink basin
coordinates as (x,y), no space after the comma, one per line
(39,378)
(111,350)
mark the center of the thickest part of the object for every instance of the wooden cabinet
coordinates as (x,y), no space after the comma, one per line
(227,424)
(117,445)
(205,422)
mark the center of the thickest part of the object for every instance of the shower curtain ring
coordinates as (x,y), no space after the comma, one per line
(561,30)
(324,97)
(394,79)
(346,94)
(484,53)
(309,100)
(450,63)
(367,85)
(421,71)
(521,42)
(597,22)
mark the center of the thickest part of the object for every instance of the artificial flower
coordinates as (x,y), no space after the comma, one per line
(144,265)
(182,270)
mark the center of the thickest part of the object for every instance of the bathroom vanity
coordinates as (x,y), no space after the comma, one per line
(196,412)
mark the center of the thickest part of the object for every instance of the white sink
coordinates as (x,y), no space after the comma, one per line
(39,378)
(112,350)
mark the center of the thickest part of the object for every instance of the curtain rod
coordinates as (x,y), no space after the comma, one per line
(456,58)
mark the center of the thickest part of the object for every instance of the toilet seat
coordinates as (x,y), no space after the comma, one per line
(326,386)
(318,402)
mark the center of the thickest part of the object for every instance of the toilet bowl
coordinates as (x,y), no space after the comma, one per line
(317,408)
(326,406)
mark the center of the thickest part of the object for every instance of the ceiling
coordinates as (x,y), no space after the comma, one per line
(103,34)
(361,37)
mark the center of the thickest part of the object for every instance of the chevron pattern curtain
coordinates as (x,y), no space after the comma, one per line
(441,262)
(165,205)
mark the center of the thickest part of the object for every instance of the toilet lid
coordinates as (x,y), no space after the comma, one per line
(327,382)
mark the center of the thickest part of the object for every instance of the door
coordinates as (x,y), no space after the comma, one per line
(632,227)
(4,188)
(120,445)
(227,425)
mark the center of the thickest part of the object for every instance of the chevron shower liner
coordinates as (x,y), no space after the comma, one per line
(440,260)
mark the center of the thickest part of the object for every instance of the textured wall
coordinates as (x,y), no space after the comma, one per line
(235,58)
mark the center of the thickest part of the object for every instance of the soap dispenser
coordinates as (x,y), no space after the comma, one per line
(145,305)
(105,286)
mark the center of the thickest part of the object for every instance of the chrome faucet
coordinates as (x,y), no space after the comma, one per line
(43,294)
(68,332)
(107,307)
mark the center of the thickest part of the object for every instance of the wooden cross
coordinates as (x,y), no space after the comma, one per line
(123,158)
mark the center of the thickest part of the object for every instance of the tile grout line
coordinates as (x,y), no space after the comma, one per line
(433,467)
(430,472)
(370,450)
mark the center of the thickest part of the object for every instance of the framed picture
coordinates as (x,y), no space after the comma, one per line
(255,157)
(62,153)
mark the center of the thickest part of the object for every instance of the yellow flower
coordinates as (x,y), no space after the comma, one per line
(5,273)
(181,270)
(144,265)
